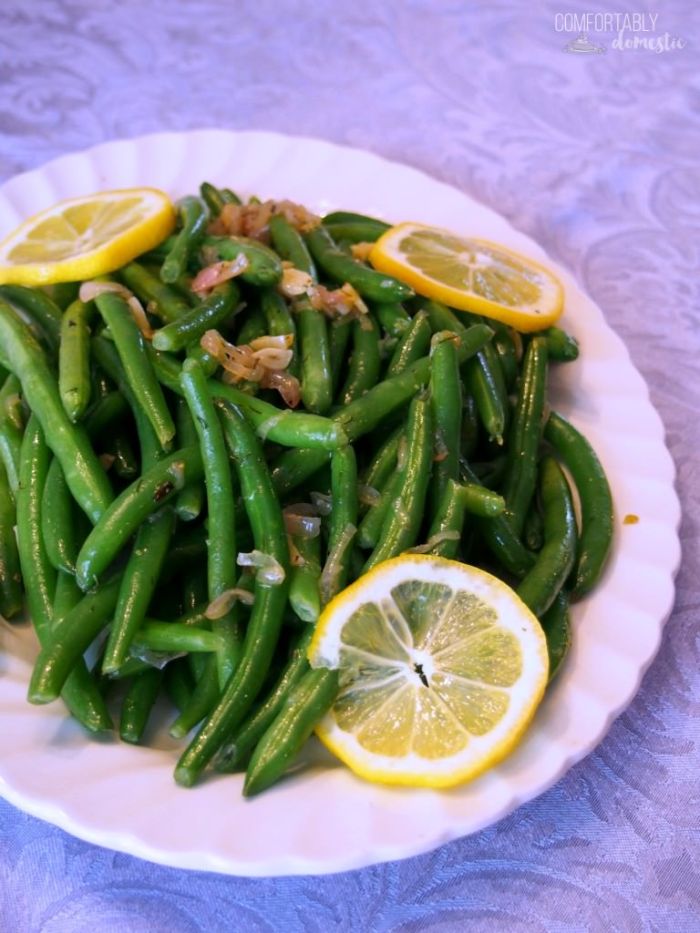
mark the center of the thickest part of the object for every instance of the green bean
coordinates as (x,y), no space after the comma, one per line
(294,467)
(125,463)
(308,701)
(160,299)
(264,267)
(138,703)
(270,598)
(10,446)
(304,577)
(138,584)
(253,326)
(499,537)
(556,624)
(190,500)
(222,550)
(405,514)
(290,245)
(66,595)
(342,217)
(342,523)
(201,701)
(413,344)
(539,587)
(339,331)
(236,752)
(485,381)
(215,198)
(139,373)
(446,528)
(363,371)
(314,349)
(595,499)
(179,685)
(505,349)
(288,428)
(68,640)
(62,293)
(74,360)
(470,427)
(11,402)
(533,529)
(383,464)
(11,589)
(193,217)
(525,434)
(60,525)
(131,508)
(280,322)
(174,638)
(370,528)
(446,400)
(355,231)
(84,474)
(561,347)
(392,316)
(211,313)
(372,285)
(42,309)
(102,416)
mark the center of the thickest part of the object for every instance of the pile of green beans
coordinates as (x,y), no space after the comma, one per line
(168,531)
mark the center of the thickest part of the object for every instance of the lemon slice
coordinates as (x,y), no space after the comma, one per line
(83,237)
(472,275)
(441,669)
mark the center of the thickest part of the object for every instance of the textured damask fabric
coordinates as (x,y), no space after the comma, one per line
(595,155)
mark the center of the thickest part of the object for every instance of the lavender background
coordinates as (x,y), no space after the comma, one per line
(596,156)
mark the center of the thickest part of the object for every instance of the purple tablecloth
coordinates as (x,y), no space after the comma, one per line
(595,154)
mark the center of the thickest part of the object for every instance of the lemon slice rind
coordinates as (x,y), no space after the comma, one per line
(478,752)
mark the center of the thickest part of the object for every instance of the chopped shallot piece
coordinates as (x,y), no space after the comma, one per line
(90,290)
(253,220)
(339,302)
(225,601)
(294,282)
(434,541)
(368,495)
(216,273)
(322,502)
(268,569)
(300,524)
(264,360)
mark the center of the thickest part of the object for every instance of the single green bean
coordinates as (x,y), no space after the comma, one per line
(11,589)
(339,331)
(179,685)
(304,577)
(413,344)
(74,360)
(216,198)
(60,524)
(355,231)
(201,701)
(556,624)
(342,217)
(213,312)
(540,586)
(342,523)
(595,498)
(485,381)
(131,508)
(160,299)
(222,549)
(137,586)
(11,429)
(406,512)
(138,703)
(393,317)
(290,245)
(561,347)
(264,266)
(174,638)
(193,217)
(280,322)
(337,265)
(190,500)
(446,400)
(39,306)
(139,373)
(525,434)
(365,362)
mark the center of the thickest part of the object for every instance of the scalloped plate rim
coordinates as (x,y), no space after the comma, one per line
(371,850)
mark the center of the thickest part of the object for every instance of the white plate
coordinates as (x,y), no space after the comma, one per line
(324,819)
